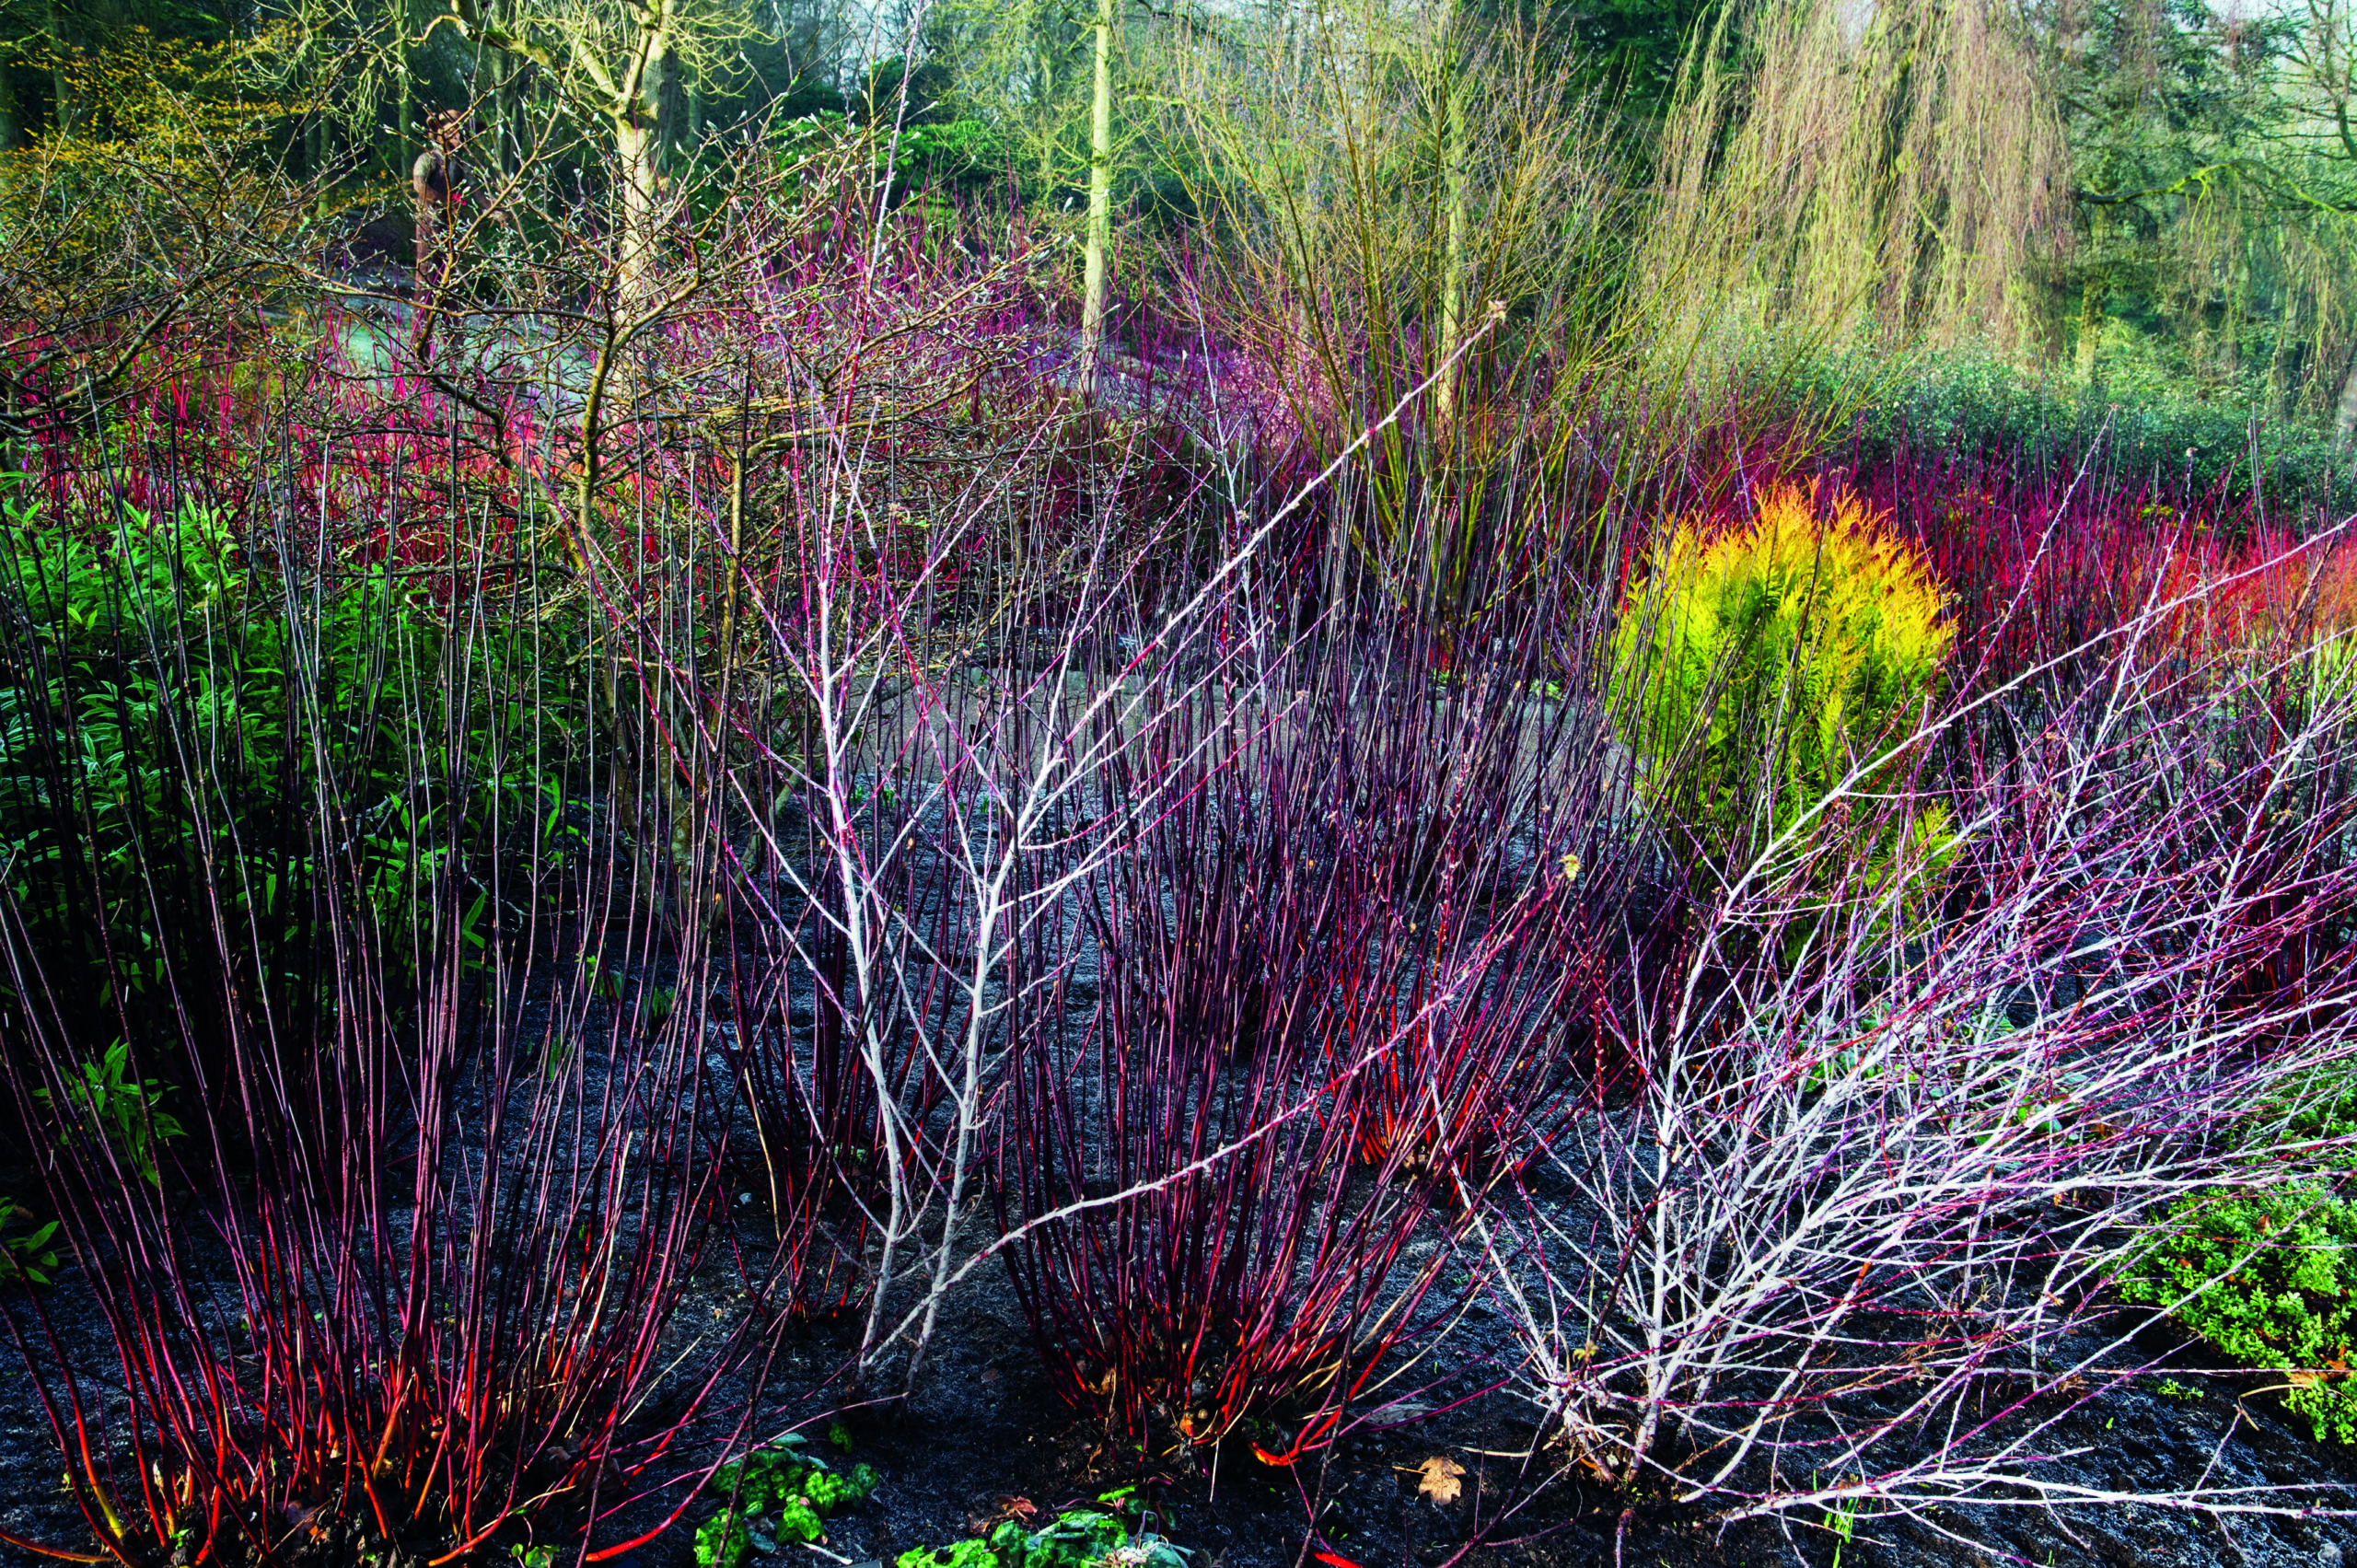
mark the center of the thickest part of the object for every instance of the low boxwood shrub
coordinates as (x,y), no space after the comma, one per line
(2125,432)
(2267,1276)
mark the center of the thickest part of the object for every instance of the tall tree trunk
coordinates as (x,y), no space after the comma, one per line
(638,144)
(61,111)
(1047,143)
(397,158)
(639,149)
(503,133)
(1100,201)
(12,136)
(2090,345)
(636,104)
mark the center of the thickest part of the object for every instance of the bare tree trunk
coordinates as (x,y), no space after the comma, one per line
(1100,201)
(61,110)
(639,149)
(506,135)
(1048,85)
(638,145)
(634,102)
(405,113)
(2090,345)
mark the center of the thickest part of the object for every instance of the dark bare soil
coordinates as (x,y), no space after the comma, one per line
(984,1435)
(983,1439)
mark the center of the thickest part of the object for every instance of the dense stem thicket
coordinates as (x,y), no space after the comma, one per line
(699,769)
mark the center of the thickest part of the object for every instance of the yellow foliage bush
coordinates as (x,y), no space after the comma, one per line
(1757,665)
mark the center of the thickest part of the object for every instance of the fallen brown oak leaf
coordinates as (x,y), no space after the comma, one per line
(1441,1479)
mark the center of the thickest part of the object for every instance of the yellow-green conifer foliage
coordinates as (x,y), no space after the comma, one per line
(1759,664)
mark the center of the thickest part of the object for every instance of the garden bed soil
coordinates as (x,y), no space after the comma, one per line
(984,1433)
(983,1438)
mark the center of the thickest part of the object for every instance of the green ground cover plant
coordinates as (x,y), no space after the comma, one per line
(777,1496)
(1076,1538)
(2270,1278)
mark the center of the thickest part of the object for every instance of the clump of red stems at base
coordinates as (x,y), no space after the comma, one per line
(1333,998)
(408,1280)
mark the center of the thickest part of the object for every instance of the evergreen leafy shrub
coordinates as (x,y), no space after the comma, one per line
(2131,433)
(175,716)
(2268,1277)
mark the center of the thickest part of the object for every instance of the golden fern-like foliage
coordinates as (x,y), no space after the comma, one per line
(1759,667)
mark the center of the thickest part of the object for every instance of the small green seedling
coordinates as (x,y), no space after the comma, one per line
(123,1109)
(606,983)
(781,1496)
(28,1256)
(1842,1520)
(655,1002)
